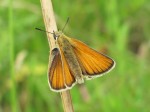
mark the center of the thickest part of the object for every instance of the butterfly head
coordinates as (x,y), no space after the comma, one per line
(57,34)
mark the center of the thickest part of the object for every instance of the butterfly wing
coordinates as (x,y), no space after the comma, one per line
(91,62)
(68,76)
(59,75)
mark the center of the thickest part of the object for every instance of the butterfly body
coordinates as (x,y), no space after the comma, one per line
(72,61)
(66,49)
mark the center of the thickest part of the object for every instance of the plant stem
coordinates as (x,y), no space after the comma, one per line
(50,24)
(12,68)
(66,100)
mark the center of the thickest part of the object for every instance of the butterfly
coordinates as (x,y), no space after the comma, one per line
(72,61)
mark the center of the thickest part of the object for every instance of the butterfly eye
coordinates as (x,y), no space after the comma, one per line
(54,35)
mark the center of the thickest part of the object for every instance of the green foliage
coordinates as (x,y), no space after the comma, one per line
(119,28)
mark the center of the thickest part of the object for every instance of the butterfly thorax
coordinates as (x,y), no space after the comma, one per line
(67,50)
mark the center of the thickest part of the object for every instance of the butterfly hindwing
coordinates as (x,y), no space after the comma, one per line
(91,62)
(68,76)
(55,72)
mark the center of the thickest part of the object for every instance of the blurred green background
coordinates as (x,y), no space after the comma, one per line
(118,28)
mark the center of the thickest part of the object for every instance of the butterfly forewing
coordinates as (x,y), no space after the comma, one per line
(60,77)
(92,62)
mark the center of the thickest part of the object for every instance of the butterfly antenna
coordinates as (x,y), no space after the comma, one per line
(65,24)
(43,30)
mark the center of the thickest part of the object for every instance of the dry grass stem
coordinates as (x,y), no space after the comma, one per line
(50,24)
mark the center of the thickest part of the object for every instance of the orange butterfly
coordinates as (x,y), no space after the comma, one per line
(72,61)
